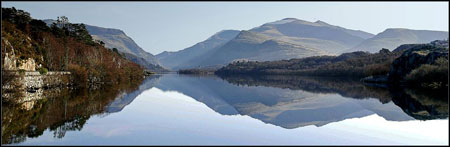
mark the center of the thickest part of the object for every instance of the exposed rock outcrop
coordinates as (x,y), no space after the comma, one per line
(27,65)
(415,57)
(10,62)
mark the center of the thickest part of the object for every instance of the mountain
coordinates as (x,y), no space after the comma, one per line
(255,46)
(179,59)
(357,33)
(283,39)
(319,34)
(115,38)
(392,38)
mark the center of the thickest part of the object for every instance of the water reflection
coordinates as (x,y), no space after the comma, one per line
(59,110)
(124,98)
(285,101)
(290,101)
(422,105)
(418,104)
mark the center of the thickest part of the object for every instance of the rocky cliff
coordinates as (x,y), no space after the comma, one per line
(12,62)
(415,57)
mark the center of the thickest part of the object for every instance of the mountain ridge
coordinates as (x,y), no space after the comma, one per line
(391,38)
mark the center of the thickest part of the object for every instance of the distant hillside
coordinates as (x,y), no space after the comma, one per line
(180,59)
(255,47)
(423,66)
(354,64)
(115,38)
(392,38)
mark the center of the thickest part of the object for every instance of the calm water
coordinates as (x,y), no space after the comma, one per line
(175,109)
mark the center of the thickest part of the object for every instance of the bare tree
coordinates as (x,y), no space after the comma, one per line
(62,21)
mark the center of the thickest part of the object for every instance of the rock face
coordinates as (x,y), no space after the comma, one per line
(10,61)
(27,65)
(416,56)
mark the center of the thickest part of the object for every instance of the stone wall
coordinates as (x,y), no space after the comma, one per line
(33,85)
(34,80)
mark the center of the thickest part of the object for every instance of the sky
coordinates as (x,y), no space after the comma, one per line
(173,26)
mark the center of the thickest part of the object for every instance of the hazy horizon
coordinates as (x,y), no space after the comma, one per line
(173,26)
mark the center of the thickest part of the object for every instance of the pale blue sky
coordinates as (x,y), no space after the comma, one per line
(172,26)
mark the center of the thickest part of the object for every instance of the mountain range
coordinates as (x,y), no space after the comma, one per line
(279,40)
(286,39)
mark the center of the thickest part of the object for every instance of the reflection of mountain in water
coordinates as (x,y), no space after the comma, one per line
(346,87)
(419,105)
(285,103)
(125,98)
(290,101)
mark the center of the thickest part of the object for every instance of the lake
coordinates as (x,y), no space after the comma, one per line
(172,109)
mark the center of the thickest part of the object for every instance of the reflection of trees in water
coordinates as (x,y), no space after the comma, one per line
(418,104)
(75,124)
(422,105)
(67,111)
(346,87)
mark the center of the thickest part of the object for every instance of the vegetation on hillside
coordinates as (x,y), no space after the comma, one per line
(430,76)
(64,47)
(355,64)
(414,65)
(196,71)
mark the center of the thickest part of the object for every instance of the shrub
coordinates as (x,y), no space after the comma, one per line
(378,69)
(43,71)
(79,74)
(430,76)
(21,71)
